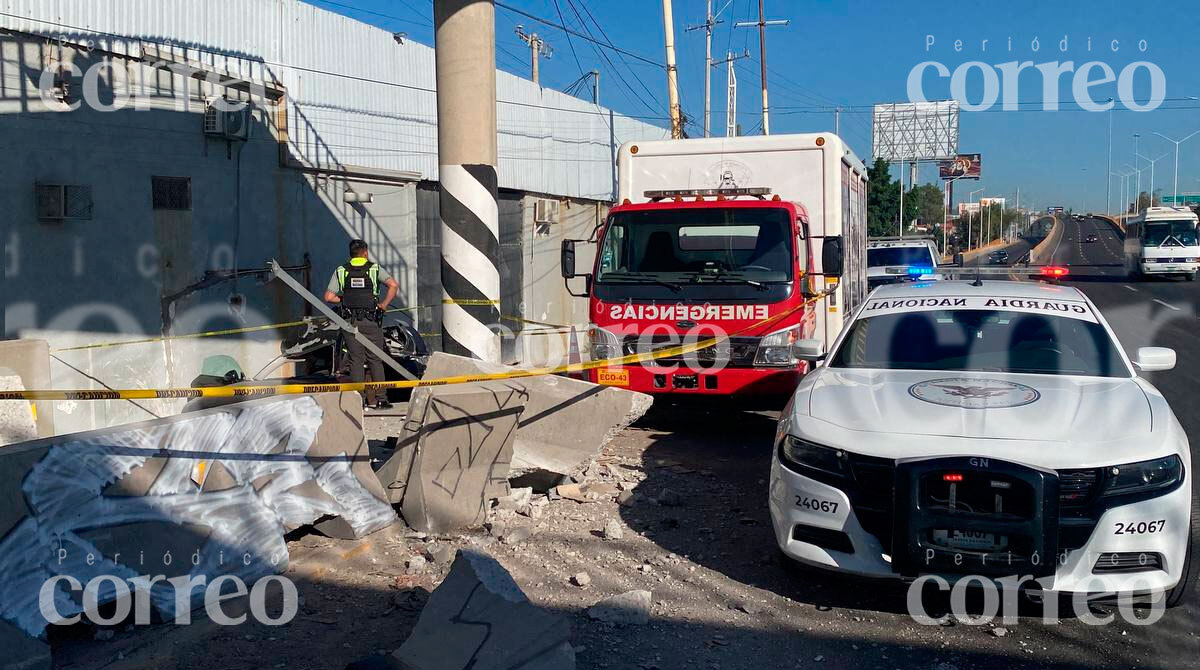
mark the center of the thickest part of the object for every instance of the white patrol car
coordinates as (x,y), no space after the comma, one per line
(892,260)
(987,428)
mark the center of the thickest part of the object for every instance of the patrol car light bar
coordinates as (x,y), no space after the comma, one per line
(757,191)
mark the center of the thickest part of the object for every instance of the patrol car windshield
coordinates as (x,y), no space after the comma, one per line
(981,340)
(884,256)
(698,245)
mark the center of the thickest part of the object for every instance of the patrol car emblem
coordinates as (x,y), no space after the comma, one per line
(974,393)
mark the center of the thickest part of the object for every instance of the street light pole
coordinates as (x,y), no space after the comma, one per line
(1137,194)
(1152,161)
(1177,143)
(972,195)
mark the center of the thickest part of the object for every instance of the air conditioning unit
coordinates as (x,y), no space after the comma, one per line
(62,202)
(545,211)
(231,125)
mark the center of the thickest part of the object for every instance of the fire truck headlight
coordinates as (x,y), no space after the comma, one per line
(603,344)
(776,349)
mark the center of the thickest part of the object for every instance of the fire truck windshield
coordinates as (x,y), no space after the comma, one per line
(698,245)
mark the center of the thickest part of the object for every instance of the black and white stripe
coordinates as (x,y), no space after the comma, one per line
(470,261)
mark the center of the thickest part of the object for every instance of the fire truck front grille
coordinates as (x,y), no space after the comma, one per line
(738,352)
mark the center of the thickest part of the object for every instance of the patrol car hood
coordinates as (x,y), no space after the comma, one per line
(982,405)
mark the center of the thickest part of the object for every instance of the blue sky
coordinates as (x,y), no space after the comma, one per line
(857,54)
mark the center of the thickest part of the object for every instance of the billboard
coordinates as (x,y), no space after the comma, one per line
(915,131)
(989,202)
(963,166)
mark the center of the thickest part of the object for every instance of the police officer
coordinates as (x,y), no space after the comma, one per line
(355,287)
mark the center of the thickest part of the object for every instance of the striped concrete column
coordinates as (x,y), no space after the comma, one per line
(465,51)
(470,261)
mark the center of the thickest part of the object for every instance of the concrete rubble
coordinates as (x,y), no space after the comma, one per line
(17,423)
(478,618)
(199,487)
(453,455)
(566,421)
(629,608)
(28,361)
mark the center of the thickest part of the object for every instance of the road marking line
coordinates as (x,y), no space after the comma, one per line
(1166,304)
(1130,288)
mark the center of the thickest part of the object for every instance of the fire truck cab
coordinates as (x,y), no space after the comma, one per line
(759,241)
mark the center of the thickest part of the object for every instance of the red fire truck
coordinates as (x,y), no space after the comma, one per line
(762,239)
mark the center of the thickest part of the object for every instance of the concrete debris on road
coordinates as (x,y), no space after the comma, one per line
(516,500)
(612,530)
(189,490)
(581,579)
(566,421)
(629,608)
(479,618)
(17,423)
(454,454)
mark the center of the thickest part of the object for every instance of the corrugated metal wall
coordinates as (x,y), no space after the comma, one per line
(357,98)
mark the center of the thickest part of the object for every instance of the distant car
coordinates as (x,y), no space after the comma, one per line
(892,260)
(998,257)
(1092,238)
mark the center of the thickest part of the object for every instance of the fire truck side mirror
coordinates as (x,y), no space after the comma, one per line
(832,257)
(568,259)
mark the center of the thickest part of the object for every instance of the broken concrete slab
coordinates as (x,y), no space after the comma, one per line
(65,513)
(479,618)
(17,422)
(629,608)
(456,450)
(566,421)
(30,360)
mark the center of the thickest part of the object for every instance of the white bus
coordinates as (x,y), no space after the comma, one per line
(1162,241)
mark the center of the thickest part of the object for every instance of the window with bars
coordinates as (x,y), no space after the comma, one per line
(172,193)
(60,202)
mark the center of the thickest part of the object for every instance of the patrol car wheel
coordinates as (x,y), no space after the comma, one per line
(1184,591)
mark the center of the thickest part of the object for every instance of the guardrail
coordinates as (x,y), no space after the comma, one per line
(1043,253)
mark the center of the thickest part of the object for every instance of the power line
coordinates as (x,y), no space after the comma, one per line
(567,30)
(609,40)
(630,94)
(424,22)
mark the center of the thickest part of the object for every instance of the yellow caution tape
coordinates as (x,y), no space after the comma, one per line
(304,389)
(470,303)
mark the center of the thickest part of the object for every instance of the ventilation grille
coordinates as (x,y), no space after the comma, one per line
(172,193)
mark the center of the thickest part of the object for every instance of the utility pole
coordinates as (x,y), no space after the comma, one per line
(595,87)
(731,91)
(538,48)
(465,55)
(762,24)
(709,22)
(672,75)
(837,121)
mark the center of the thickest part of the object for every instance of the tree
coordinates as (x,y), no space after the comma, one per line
(927,203)
(883,200)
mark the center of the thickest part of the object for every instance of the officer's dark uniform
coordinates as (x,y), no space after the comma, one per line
(358,284)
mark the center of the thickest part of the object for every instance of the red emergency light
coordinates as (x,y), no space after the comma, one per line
(952,477)
(1055,271)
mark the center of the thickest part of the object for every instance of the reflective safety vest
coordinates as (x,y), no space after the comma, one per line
(359,283)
